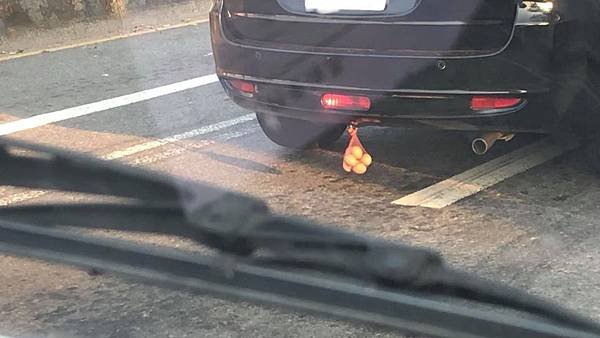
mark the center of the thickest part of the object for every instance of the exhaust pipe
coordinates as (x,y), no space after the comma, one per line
(483,144)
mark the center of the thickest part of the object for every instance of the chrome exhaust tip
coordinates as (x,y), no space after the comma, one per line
(482,145)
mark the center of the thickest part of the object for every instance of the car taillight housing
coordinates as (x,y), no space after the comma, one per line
(493,102)
(345,102)
(243,86)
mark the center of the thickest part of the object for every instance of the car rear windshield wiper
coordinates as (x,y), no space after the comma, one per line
(262,257)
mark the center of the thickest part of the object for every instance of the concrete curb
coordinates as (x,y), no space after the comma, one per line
(54,13)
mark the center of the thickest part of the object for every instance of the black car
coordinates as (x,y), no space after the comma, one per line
(494,67)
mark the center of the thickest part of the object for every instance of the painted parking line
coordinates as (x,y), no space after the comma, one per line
(138,148)
(170,153)
(150,145)
(472,181)
(91,108)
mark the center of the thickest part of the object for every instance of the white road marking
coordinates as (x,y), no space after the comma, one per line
(146,160)
(152,158)
(472,181)
(22,197)
(171,139)
(90,108)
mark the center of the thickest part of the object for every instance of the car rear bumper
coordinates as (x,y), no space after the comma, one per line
(408,91)
(303,103)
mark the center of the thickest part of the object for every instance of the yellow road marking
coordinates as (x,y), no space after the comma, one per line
(93,42)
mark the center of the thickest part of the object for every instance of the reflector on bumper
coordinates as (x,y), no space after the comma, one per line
(345,102)
(493,102)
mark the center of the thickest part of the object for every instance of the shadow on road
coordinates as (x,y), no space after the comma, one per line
(241,163)
(407,160)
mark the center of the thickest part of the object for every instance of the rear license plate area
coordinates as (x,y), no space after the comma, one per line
(336,6)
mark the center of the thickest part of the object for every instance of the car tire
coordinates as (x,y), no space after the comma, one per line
(299,134)
(592,149)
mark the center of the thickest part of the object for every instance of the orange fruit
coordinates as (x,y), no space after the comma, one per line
(366,159)
(350,160)
(359,169)
(347,168)
(357,152)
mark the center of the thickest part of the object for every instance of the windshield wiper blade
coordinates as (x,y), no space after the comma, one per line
(42,167)
(243,228)
(247,280)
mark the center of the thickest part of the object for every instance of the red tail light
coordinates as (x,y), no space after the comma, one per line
(345,102)
(493,102)
(243,86)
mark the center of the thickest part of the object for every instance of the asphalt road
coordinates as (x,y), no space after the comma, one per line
(537,230)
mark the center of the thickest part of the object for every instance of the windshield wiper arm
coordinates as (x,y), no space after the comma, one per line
(242,227)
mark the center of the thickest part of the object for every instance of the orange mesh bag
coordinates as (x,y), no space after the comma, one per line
(356,158)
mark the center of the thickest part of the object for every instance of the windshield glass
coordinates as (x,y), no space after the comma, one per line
(469,128)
